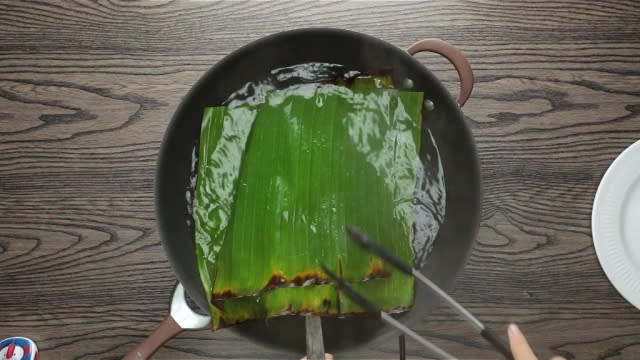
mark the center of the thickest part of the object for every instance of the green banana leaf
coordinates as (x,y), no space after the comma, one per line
(388,294)
(279,181)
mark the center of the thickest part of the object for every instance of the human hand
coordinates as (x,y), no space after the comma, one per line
(326,357)
(520,347)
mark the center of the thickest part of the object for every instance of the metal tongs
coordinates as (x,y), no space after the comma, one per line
(369,244)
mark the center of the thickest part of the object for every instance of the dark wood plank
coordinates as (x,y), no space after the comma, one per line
(86,91)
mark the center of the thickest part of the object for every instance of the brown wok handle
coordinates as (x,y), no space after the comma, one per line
(167,329)
(455,57)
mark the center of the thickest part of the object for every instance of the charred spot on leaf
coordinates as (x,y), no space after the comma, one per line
(309,278)
(224,294)
(326,303)
(218,298)
(377,270)
(218,303)
(276,280)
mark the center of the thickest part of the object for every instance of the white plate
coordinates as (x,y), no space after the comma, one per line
(615,223)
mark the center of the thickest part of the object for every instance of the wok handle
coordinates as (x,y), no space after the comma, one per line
(455,57)
(167,329)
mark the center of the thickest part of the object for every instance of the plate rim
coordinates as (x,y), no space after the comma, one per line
(624,284)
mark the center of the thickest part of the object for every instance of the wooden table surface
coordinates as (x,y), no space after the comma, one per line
(87,90)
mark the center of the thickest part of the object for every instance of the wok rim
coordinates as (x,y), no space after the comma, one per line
(163,155)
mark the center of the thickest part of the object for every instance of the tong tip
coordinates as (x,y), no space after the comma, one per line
(349,291)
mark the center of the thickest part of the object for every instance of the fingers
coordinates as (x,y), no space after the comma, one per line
(519,346)
(558,358)
(326,357)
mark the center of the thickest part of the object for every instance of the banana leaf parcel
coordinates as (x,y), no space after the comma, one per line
(279,180)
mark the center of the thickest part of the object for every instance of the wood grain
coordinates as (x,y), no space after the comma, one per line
(87,89)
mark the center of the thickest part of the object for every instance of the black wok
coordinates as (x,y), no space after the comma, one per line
(354,50)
